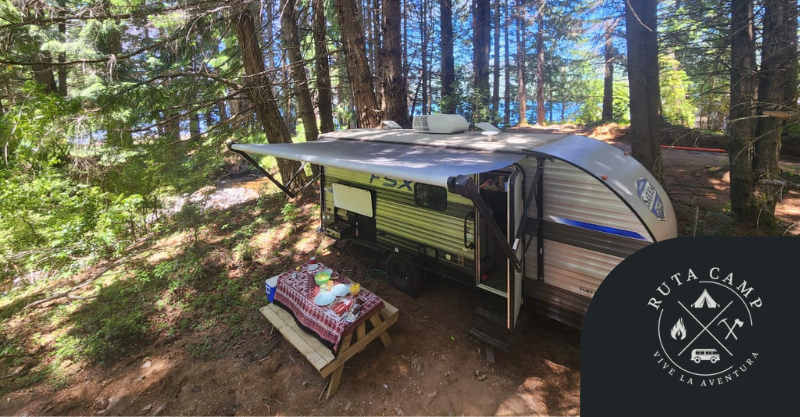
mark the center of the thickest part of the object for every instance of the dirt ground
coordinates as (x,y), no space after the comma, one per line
(432,368)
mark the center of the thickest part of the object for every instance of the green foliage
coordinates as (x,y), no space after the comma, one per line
(290,212)
(622,102)
(244,251)
(678,108)
(106,329)
(191,218)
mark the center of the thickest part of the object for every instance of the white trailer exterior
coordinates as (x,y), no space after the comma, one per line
(574,208)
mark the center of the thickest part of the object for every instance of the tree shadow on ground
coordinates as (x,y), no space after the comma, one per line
(201,291)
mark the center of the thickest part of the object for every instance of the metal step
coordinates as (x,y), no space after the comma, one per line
(491,316)
(490,340)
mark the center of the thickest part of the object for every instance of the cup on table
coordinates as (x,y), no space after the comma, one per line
(355,288)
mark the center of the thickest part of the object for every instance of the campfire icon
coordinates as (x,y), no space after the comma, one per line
(678,330)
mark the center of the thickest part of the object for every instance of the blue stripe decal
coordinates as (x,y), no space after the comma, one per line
(598,228)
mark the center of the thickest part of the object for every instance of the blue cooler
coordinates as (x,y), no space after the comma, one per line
(272,285)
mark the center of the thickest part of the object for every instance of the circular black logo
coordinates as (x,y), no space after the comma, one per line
(705,322)
(694,326)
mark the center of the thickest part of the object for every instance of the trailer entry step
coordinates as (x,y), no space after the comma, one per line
(490,340)
(491,316)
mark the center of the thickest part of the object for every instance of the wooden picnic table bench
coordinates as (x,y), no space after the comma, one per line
(322,357)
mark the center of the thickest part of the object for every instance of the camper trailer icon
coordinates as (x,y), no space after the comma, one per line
(705,355)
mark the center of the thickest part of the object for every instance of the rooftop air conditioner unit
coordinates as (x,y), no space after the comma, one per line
(440,123)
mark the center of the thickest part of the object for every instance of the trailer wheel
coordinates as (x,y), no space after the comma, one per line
(403,274)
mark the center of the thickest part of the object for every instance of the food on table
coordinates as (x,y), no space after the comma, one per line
(342,306)
(355,288)
(322,277)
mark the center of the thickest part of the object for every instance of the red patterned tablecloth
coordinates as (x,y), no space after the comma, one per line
(297,292)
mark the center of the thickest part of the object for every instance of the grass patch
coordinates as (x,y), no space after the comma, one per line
(182,287)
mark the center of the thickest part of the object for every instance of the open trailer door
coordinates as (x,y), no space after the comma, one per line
(515,276)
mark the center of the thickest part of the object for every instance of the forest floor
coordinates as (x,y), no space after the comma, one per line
(176,329)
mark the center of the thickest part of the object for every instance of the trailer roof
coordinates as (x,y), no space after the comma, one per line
(503,142)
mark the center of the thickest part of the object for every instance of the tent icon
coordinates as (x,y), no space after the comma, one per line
(705,300)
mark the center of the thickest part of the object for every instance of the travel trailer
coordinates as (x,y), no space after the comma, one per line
(530,218)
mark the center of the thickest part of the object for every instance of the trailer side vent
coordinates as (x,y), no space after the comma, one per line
(440,123)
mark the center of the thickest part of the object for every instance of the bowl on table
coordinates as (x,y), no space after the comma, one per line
(323,277)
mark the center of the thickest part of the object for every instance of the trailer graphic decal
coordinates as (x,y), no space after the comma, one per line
(598,228)
(649,196)
(391,182)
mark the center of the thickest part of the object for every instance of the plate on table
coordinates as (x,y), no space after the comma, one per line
(324,298)
(340,290)
(313,267)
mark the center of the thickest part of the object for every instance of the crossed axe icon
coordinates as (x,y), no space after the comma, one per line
(736,323)
(706,326)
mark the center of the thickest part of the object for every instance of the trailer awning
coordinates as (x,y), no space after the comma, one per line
(425,164)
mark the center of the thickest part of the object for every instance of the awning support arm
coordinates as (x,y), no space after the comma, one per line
(302,167)
(465,186)
(263,171)
(533,192)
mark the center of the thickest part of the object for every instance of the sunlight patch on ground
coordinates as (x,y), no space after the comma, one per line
(270,242)
(308,240)
(168,247)
(788,210)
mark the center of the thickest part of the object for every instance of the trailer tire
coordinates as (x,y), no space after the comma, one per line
(403,274)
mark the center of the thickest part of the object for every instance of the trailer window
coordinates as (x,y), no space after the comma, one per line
(430,196)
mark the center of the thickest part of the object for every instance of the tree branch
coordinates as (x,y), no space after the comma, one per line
(780,183)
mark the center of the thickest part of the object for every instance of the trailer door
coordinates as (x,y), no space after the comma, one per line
(515,214)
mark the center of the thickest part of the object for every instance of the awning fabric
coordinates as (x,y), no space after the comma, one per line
(425,164)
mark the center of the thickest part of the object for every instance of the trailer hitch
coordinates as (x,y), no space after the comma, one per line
(465,186)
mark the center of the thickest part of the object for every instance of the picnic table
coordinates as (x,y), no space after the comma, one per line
(296,316)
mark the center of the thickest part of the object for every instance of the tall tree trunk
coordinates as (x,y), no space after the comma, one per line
(62,56)
(297,67)
(194,125)
(111,44)
(507,73)
(322,67)
(377,23)
(259,90)
(394,95)
(405,57)
(269,37)
(481,32)
(208,117)
(223,112)
(496,74)
(366,8)
(367,109)
(608,80)
(448,63)
(742,112)
(43,72)
(776,64)
(522,88)
(288,113)
(645,94)
(424,52)
(540,110)
(793,60)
